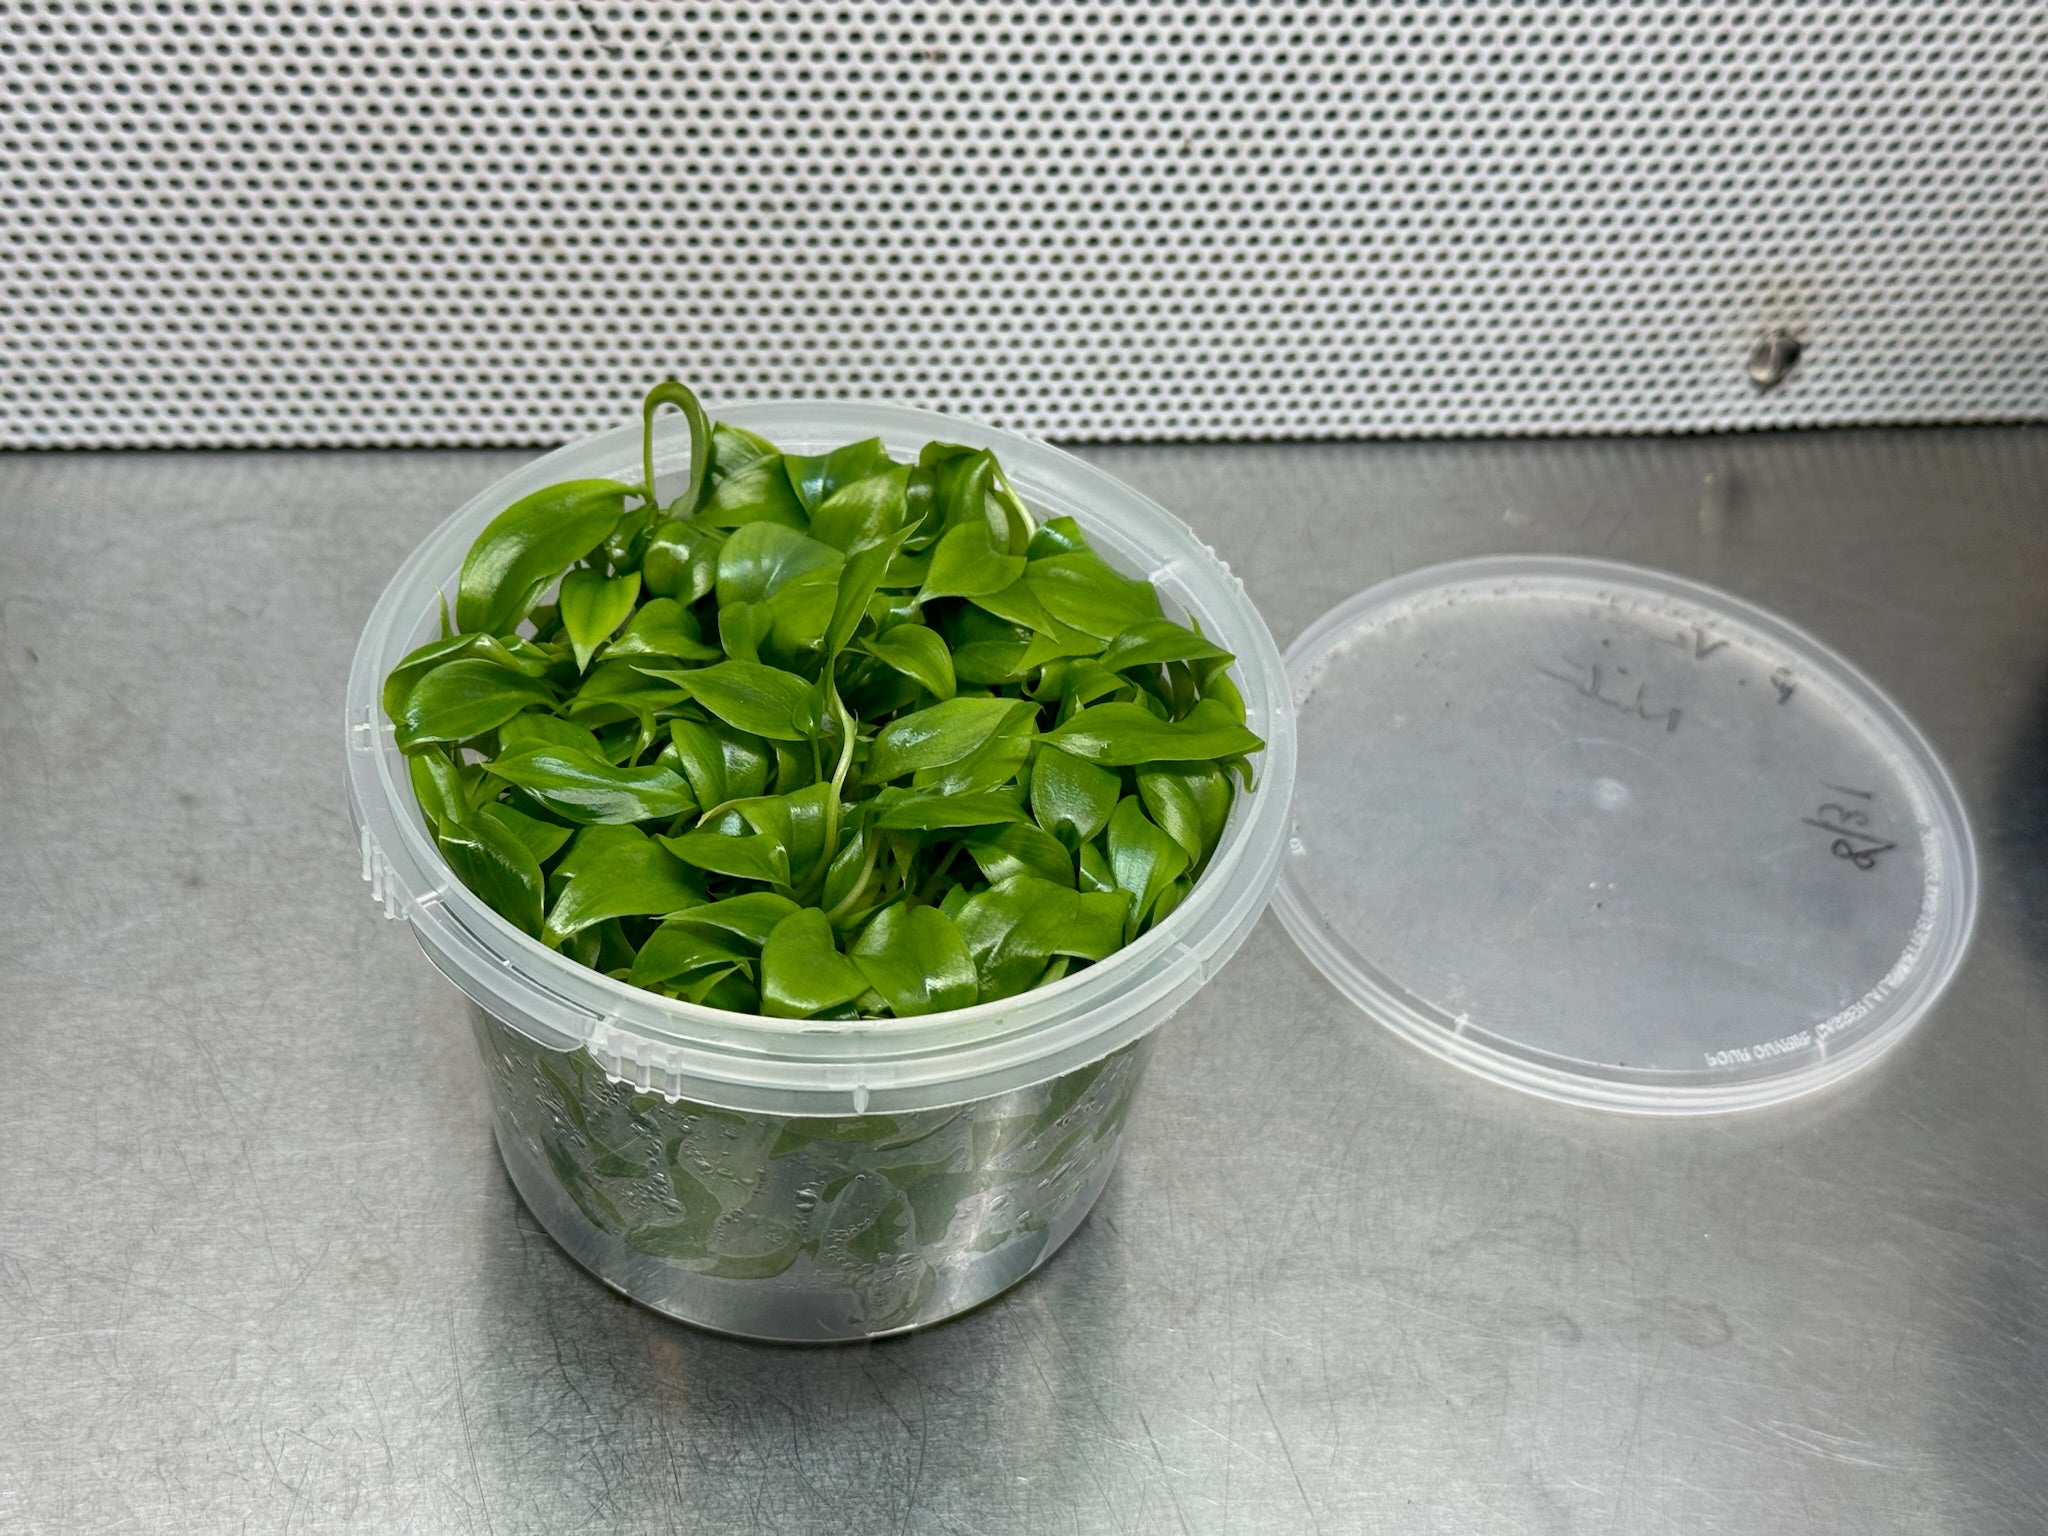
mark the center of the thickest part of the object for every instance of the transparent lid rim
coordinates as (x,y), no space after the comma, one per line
(1637,1090)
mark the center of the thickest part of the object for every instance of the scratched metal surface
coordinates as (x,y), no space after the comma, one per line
(259,1267)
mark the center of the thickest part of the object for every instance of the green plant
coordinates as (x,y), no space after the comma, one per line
(821,736)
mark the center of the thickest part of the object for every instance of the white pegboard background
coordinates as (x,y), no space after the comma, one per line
(271,223)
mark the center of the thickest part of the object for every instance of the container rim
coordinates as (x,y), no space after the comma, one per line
(660,1041)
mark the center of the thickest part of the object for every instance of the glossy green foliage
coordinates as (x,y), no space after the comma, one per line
(527,547)
(819,736)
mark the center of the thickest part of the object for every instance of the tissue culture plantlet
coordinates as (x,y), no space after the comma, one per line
(822,736)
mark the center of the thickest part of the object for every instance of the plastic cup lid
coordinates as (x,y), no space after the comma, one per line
(1615,838)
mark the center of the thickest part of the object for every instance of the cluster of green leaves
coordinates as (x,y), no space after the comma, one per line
(708,1188)
(821,736)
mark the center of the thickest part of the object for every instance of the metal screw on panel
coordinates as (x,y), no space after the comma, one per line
(1775,355)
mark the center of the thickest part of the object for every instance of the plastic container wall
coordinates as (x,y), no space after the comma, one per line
(806,1179)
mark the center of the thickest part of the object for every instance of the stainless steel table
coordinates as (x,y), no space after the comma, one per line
(259,1267)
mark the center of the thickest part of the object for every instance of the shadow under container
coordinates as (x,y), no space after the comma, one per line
(805,1180)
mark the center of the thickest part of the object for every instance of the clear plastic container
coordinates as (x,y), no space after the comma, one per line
(804,1180)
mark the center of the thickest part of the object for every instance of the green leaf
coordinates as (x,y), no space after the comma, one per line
(724,987)
(681,560)
(966,564)
(733,449)
(918,653)
(624,690)
(818,477)
(663,629)
(462,699)
(514,654)
(745,760)
(1082,590)
(1071,798)
(1094,930)
(760,700)
(587,843)
(584,848)
(669,392)
(1024,849)
(916,959)
(1095,873)
(741,629)
(1057,536)
(442,789)
(543,839)
(961,481)
(1076,681)
(488,858)
(619,742)
(749,840)
(1004,502)
(994,763)
(874,692)
(1019,603)
(905,574)
(1125,735)
(810,809)
(592,606)
(1061,642)
(1221,692)
(1157,641)
(699,754)
(729,990)
(803,1131)
(792,579)
(1191,801)
(678,948)
(1049,639)
(912,812)
(934,737)
(1014,928)
(1006,931)
(802,973)
(1144,860)
(857,584)
(1181,692)
(749,918)
(614,949)
(758,493)
(626,545)
(588,790)
(687,1239)
(638,879)
(528,545)
(534,729)
(864,510)
(748,856)
(846,877)
(994,661)
(1175,893)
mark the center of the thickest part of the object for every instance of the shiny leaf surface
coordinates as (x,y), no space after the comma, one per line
(528,545)
(463,699)
(588,790)
(916,959)
(802,972)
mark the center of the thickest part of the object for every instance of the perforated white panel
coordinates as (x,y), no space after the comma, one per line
(469,223)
